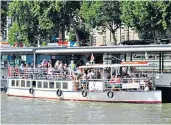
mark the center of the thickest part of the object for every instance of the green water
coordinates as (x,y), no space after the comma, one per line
(15,110)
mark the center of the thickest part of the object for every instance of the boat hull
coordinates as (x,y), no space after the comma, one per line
(118,96)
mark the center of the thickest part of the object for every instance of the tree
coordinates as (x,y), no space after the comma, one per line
(104,14)
(38,20)
(42,20)
(151,17)
(69,11)
(25,23)
(4,8)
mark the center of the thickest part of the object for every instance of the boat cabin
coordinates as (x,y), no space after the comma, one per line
(41,84)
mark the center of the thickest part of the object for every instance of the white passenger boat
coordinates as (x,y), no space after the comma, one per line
(36,83)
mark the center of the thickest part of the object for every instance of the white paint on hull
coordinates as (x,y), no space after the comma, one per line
(119,96)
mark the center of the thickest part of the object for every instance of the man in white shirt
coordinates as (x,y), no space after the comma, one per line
(105,75)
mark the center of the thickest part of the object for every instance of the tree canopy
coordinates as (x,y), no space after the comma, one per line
(105,14)
(41,21)
(151,17)
(4,10)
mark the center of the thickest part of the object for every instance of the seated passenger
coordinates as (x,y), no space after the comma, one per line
(93,74)
(89,75)
(117,83)
(98,74)
(112,80)
(118,79)
(131,80)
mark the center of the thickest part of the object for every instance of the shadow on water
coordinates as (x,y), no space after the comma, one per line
(37,111)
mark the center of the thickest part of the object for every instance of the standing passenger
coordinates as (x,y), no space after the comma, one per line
(72,67)
(56,64)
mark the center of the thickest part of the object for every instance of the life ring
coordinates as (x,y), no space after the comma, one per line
(5,89)
(84,93)
(110,94)
(59,92)
(31,90)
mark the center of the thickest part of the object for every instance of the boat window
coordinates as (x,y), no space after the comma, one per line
(58,85)
(39,84)
(65,85)
(22,83)
(51,85)
(45,84)
(13,83)
(33,84)
(18,83)
(28,84)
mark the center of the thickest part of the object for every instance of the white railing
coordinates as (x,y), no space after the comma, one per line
(38,73)
(90,84)
(124,84)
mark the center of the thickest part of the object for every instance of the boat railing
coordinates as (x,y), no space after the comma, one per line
(122,84)
(38,73)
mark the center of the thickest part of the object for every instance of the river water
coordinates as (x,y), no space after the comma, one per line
(16,110)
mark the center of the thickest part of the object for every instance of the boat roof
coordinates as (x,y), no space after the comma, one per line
(94,49)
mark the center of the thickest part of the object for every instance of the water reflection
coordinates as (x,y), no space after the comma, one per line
(25,111)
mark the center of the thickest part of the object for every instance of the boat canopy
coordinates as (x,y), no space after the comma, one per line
(108,49)
(114,65)
(16,50)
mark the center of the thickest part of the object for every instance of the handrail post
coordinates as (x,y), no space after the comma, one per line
(34,64)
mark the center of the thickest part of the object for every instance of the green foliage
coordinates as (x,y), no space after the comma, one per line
(72,36)
(20,12)
(43,19)
(40,20)
(12,33)
(89,10)
(44,43)
(4,7)
(147,16)
(102,13)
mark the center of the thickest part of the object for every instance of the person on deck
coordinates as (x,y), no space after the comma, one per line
(115,82)
(72,67)
(56,64)
(44,63)
(60,67)
(49,68)
(84,78)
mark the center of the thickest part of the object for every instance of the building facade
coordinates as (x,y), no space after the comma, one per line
(105,37)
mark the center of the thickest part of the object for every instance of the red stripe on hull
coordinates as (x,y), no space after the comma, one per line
(139,102)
